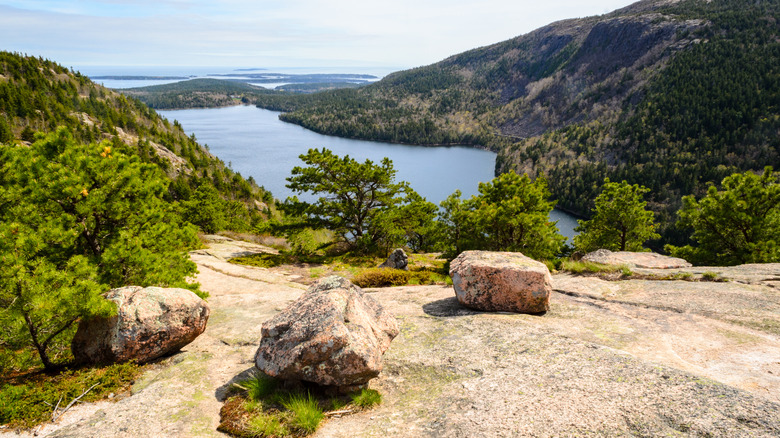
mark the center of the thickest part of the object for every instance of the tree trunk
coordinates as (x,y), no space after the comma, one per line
(47,363)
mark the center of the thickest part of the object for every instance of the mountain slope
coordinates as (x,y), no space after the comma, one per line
(669,94)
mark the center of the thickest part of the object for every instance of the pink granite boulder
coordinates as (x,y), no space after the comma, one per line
(150,322)
(501,281)
(333,335)
(631,259)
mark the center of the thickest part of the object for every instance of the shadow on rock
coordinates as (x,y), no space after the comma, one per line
(447,307)
(223,391)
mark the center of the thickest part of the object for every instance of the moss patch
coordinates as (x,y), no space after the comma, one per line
(28,400)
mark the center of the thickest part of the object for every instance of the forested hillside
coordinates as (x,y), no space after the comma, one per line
(38,95)
(215,93)
(195,93)
(671,95)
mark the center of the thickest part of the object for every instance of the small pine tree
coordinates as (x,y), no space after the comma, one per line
(620,222)
(735,225)
(511,213)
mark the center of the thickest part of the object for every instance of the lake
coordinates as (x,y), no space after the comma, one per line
(256,143)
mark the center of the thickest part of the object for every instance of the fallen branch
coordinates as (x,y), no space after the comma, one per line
(72,403)
(54,412)
(345,411)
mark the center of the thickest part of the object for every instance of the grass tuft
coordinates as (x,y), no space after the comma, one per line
(263,408)
(366,398)
(267,425)
(580,267)
(712,276)
(306,413)
(259,386)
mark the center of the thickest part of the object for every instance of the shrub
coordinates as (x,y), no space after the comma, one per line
(382,277)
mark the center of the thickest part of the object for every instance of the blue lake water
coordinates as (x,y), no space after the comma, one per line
(256,143)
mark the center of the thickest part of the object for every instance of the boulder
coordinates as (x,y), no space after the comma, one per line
(333,335)
(501,281)
(397,260)
(635,259)
(150,322)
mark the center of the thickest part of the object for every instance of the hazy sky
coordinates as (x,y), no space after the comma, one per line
(278,33)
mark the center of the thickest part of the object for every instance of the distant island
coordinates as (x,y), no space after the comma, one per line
(266,78)
(142,78)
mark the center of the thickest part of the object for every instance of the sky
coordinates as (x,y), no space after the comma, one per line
(280,33)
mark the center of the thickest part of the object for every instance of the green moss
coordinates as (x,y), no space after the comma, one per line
(26,401)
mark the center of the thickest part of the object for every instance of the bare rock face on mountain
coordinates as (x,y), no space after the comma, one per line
(150,322)
(397,260)
(333,335)
(649,260)
(501,281)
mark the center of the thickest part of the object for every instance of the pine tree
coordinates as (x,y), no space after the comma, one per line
(620,222)
(76,221)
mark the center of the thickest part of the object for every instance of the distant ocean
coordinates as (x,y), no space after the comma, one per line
(206,72)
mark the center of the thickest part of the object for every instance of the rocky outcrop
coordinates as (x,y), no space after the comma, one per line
(649,260)
(150,322)
(501,281)
(397,260)
(333,335)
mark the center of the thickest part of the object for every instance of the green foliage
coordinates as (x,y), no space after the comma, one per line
(711,276)
(511,213)
(27,402)
(620,220)
(266,425)
(738,224)
(205,209)
(382,277)
(580,267)
(359,202)
(259,386)
(306,412)
(385,277)
(366,398)
(77,220)
(264,409)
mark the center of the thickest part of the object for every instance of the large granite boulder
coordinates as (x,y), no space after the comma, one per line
(150,322)
(501,281)
(635,259)
(397,260)
(333,335)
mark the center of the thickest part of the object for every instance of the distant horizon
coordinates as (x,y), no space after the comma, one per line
(297,34)
(162,70)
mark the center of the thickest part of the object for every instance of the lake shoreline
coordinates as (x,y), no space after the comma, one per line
(255,142)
